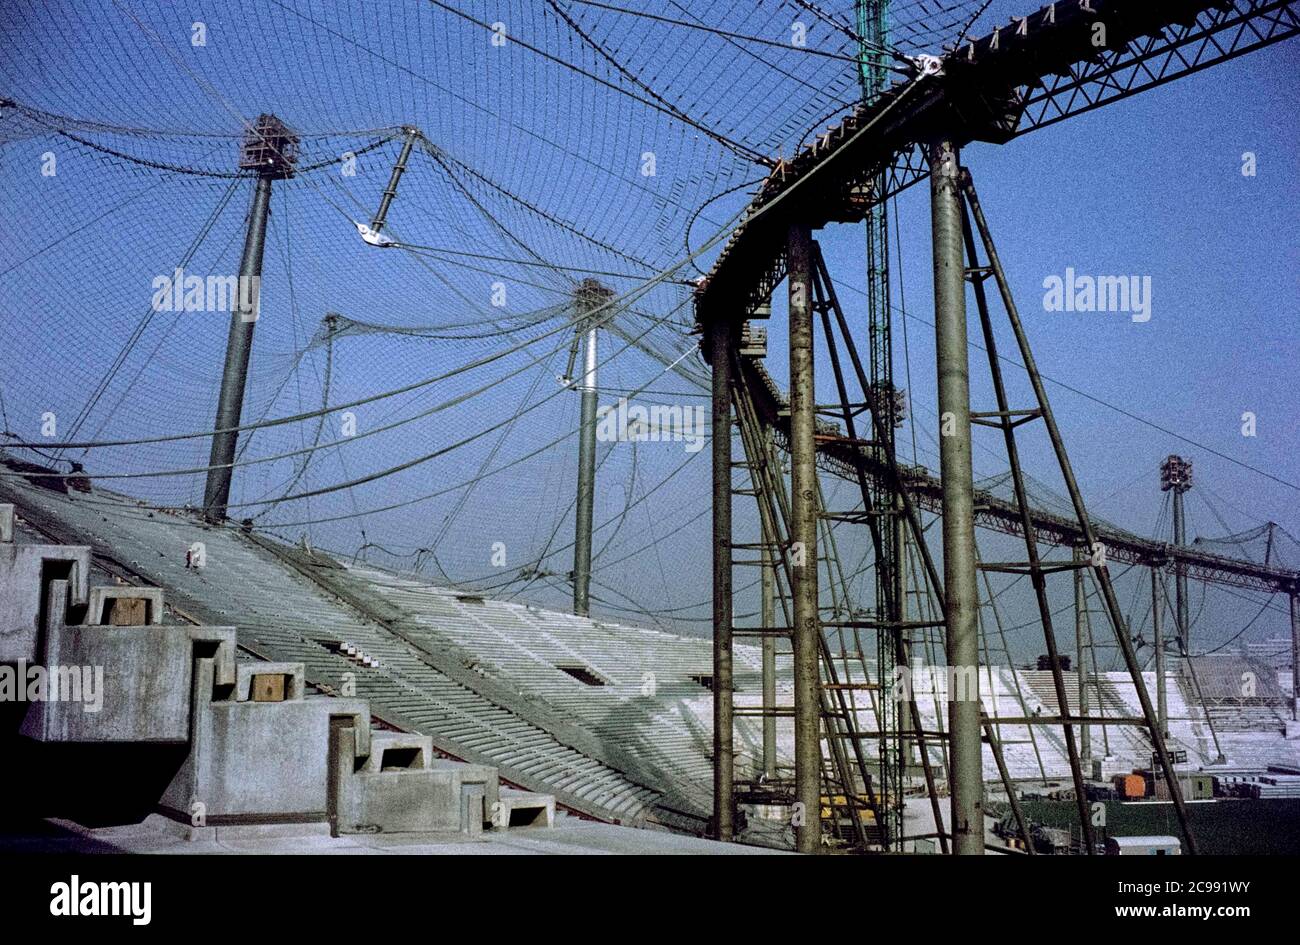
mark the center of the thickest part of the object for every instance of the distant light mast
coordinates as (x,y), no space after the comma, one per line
(1176,477)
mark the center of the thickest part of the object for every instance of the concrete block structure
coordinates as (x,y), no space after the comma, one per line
(398,789)
(124,606)
(257,761)
(176,715)
(477,781)
(142,674)
(526,809)
(25,573)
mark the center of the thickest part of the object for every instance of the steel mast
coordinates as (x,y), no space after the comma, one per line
(1176,477)
(884,399)
(589,300)
(270,150)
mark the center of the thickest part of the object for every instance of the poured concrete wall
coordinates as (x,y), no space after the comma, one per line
(142,674)
(258,761)
(413,798)
(23,573)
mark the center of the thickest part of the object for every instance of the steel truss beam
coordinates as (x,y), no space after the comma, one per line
(1215,35)
(1030,74)
(844,459)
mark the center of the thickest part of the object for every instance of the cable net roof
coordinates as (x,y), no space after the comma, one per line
(430,417)
(1270,544)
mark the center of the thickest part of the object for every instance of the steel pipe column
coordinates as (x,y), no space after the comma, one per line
(723,760)
(768,614)
(586,477)
(1082,648)
(803,539)
(1157,631)
(239,346)
(1295,655)
(961,594)
(1181,599)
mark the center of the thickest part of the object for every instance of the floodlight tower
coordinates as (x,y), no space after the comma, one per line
(1176,477)
(270,150)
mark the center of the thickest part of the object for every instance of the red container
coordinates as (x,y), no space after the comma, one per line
(1131,786)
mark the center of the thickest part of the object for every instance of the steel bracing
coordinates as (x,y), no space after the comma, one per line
(1016,80)
(1067,58)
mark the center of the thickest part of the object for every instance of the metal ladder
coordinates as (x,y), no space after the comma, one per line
(850,809)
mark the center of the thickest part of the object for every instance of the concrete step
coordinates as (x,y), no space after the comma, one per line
(524,809)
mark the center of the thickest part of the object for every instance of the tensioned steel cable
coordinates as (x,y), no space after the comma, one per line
(305,415)
(619,302)
(143,323)
(1105,403)
(401,504)
(374,431)
(199,172)
(545,247)
(716,31)
(419,460)
(666,108)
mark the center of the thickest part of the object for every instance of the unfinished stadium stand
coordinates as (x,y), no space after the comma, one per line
(613,721)
(291,604)
(161,717)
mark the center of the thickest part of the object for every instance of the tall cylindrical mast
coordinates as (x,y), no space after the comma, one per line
(590,298)
(959,572)
(803,538)
(270,150)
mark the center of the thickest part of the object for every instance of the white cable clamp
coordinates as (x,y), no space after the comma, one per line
(925,64)
(373,237)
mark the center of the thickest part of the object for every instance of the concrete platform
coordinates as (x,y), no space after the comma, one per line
(157,835)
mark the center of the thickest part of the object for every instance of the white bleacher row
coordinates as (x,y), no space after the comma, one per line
(281,615)
(653,743)
(1257,741)
(648,704)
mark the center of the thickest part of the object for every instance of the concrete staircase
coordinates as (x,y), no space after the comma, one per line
(172,720)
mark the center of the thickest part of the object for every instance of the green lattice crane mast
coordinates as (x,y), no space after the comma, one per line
(873,29)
